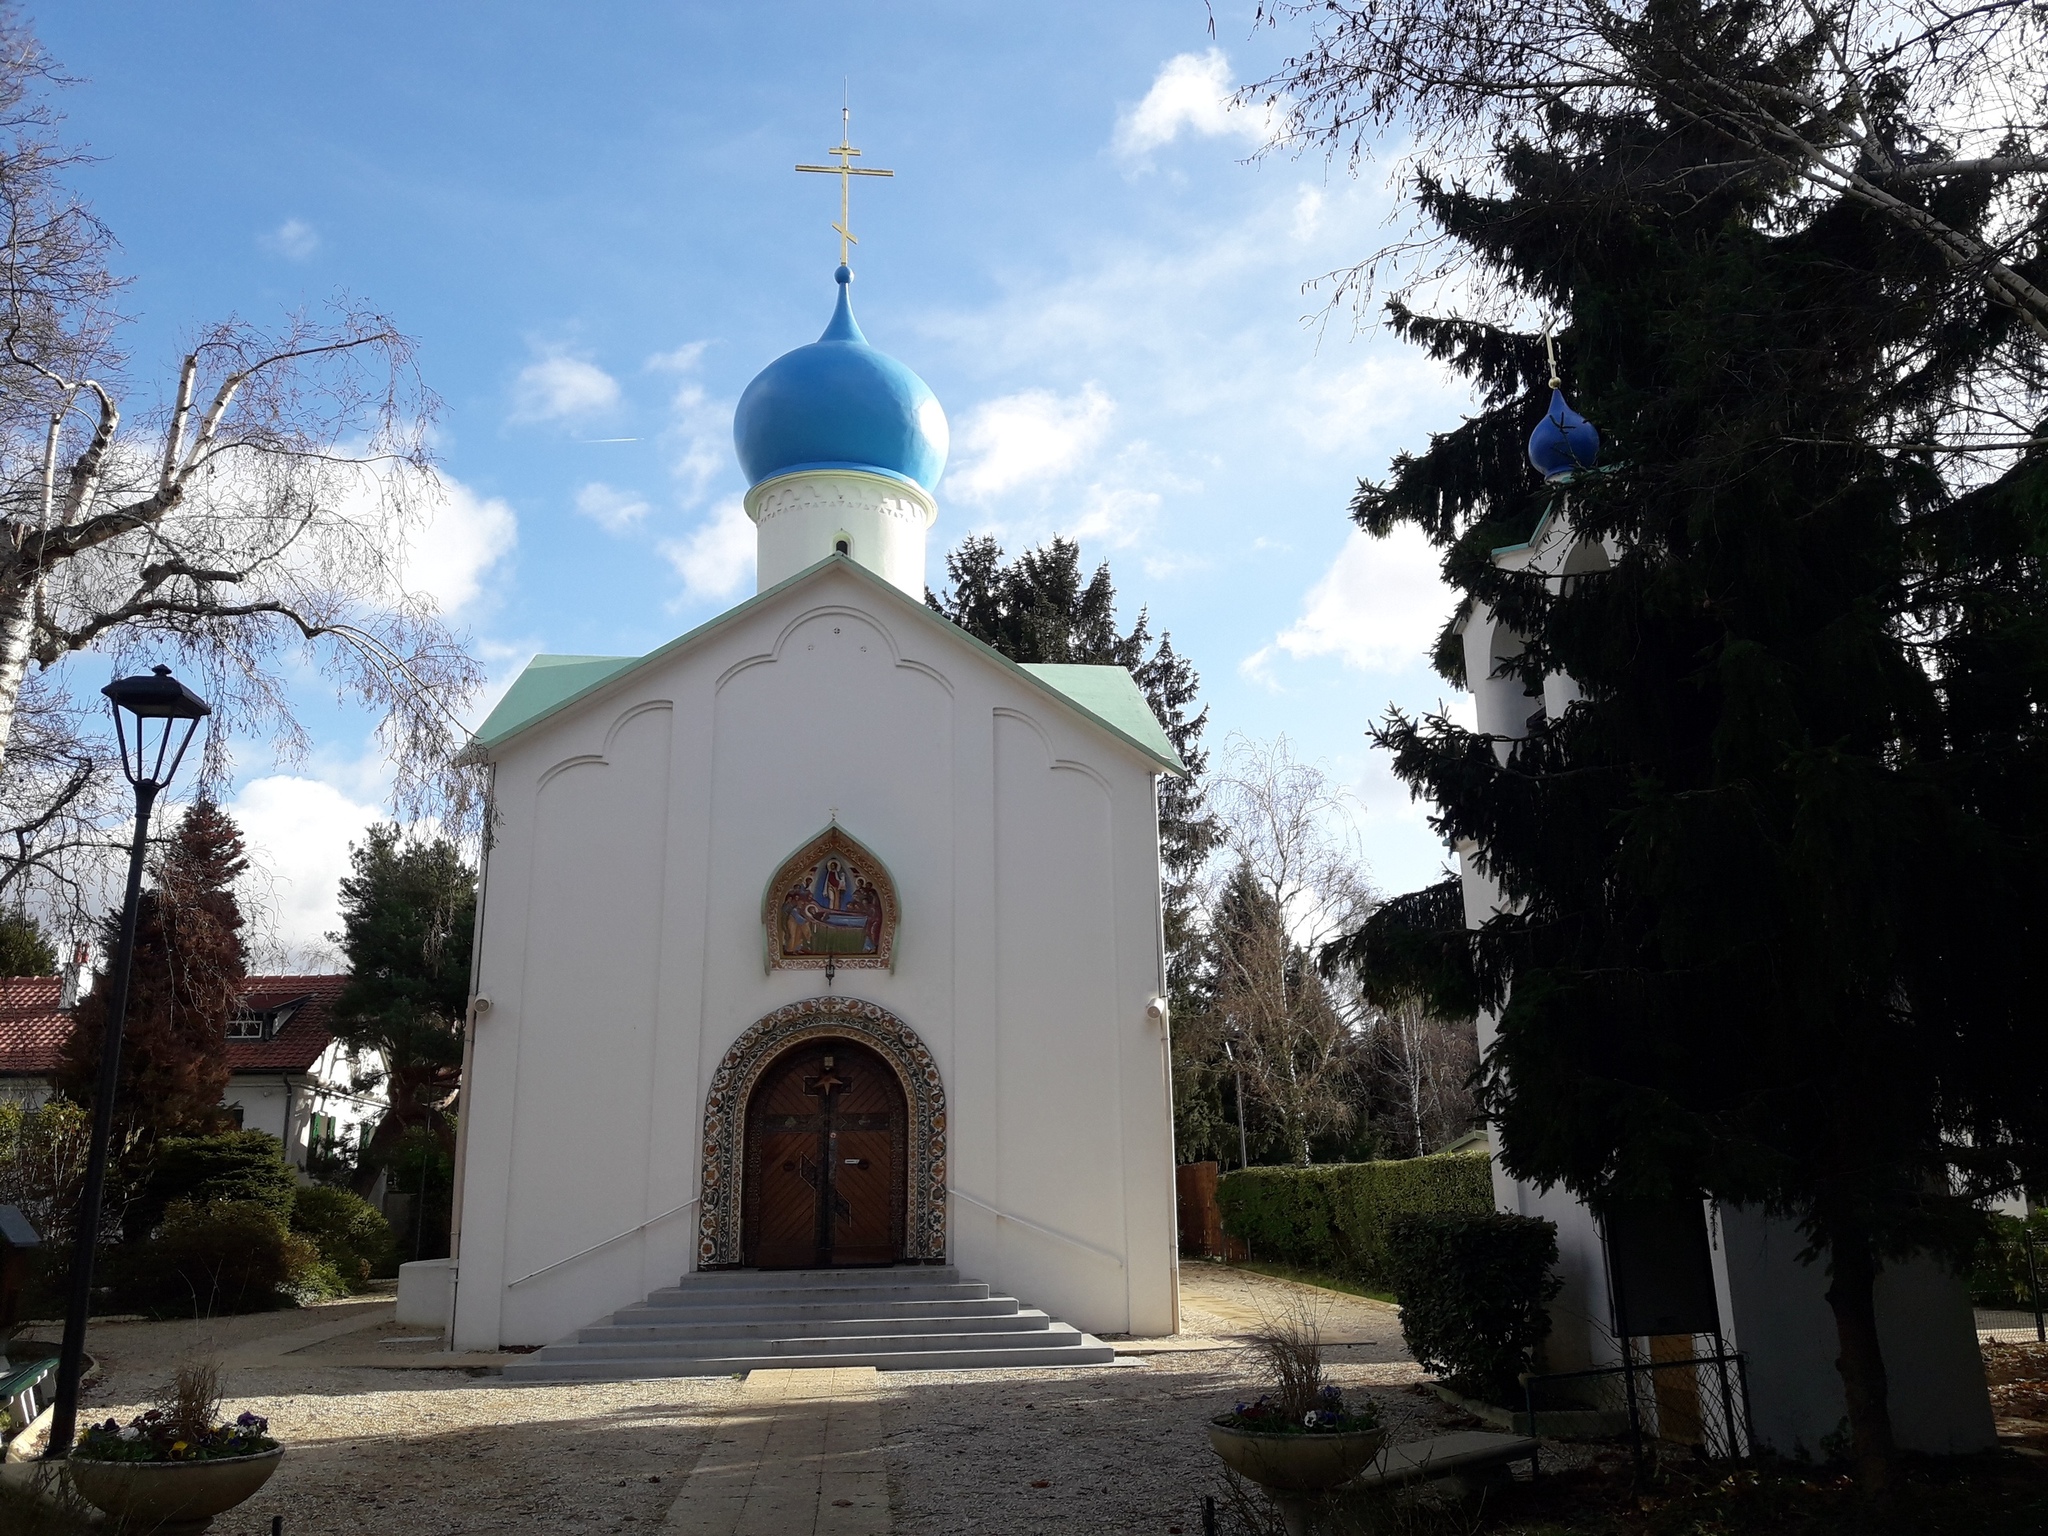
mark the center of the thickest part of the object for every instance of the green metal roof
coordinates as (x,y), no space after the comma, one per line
(1112,696)
(547,683)
(1107,696)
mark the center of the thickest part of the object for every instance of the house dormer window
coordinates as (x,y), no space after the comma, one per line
(246,1026)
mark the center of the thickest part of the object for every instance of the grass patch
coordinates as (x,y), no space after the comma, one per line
(1316,1278)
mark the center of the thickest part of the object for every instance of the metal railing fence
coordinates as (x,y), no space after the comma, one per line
(1695,1402)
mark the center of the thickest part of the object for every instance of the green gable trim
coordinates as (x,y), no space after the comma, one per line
(1112,696)
(1106,696)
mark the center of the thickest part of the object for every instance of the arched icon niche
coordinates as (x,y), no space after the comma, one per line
(830,905)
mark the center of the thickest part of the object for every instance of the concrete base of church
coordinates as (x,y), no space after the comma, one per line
(426,1293)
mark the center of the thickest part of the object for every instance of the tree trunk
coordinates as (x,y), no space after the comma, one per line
(1853,1297)
(17,634)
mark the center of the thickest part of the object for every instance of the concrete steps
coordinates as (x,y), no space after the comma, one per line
(731,1321)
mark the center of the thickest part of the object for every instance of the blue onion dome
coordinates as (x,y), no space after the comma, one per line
(1564,441)
(840,404)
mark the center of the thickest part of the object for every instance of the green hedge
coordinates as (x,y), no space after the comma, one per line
(1333,1217)
(1475,1290)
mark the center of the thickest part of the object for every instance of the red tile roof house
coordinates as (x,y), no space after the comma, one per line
(290,1076)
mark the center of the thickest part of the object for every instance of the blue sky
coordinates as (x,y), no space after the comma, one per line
(587,216)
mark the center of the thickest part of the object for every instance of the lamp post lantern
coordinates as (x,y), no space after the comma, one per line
(160,714)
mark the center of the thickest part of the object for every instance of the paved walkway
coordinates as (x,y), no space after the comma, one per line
(800,1454)
(1225,1303)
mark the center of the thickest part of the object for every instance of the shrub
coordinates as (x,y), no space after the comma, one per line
(352,1234)
(1473,1292)
(239,1167)
(1333,1217)
(1999,1275)
(222,1256)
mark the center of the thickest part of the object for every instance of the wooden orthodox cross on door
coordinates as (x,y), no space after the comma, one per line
(826,1153)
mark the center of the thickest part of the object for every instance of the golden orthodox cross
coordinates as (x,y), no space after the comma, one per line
(845,170)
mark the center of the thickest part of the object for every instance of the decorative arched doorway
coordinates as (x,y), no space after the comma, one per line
(768,1064)
(825,1161)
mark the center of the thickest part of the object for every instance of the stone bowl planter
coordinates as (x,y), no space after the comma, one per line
(174,1498)
(1296,1469)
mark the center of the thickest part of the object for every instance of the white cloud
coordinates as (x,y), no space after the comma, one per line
(465,537)
(1115,515)
(717,555)
(1028,437)
(294,240)
(611,509)
(1389,397)
(682,360)
(698,441)
(297,831)
(558,387)
(1308,212)
(1378,608)
(1191,91)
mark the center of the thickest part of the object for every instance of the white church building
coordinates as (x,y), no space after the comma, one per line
(818,950)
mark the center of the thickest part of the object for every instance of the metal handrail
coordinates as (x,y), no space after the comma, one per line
(1072,1242)
(582,1252)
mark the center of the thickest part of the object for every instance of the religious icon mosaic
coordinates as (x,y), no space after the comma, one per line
(831,904)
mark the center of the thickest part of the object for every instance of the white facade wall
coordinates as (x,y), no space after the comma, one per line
(621,949)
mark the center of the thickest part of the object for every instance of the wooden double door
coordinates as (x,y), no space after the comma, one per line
(826,1157)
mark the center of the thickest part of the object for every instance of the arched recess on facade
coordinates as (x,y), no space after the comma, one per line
(732,1087)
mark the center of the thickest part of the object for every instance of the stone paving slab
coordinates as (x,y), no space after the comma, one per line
(799,1454)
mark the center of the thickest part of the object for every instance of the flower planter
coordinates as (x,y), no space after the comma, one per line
(173,1498)
(1295,1468)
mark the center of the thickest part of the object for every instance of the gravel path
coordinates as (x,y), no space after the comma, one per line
(1122,1448)
(421,1452)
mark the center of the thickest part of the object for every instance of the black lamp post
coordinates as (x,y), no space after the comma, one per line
(160,713)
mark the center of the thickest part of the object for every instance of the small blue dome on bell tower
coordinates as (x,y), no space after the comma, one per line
(1564,442)
(840,404)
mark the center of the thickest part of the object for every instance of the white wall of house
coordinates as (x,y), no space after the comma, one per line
(28,1092)
(622,951)
(282,1104)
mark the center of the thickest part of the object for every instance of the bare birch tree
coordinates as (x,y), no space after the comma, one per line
(1422,1066)
(251,523)
(1292,880)
(1918,101)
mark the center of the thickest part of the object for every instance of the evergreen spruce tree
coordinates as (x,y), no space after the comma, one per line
(186,983)
(25,950)
(1777,929)
(407,912)
(1039,608)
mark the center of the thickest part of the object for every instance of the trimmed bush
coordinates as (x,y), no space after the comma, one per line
(219,1257)
(1333,1217)
(242,1166)
(1473,1294)
(352,1234)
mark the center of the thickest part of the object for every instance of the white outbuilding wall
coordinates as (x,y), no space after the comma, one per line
(621,951)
